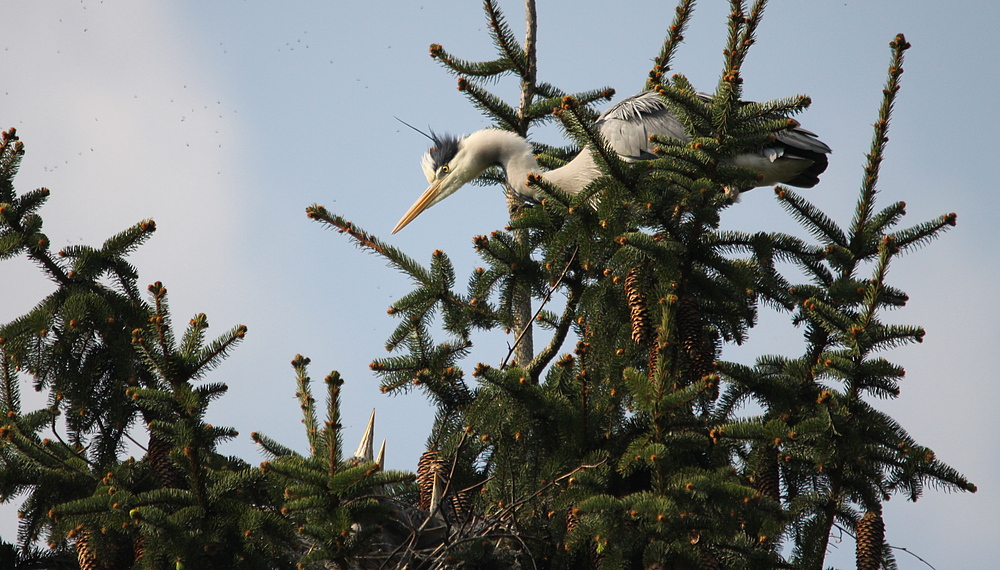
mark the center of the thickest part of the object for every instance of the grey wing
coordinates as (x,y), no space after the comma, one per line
(798,137)
(797,157)
(803,139)
(628,124)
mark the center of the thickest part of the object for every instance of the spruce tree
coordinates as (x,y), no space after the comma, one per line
(112,372)
(622,442)
(632,450)
(115,375)
(344,507)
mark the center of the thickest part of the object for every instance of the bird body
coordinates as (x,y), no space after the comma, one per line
(797,157)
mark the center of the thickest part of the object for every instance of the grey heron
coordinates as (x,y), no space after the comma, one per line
(796,157)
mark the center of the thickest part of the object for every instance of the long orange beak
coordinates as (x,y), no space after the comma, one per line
(426,200)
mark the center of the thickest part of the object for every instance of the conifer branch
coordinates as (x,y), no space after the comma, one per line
(778,110)
(866,202)
(504,38)
(750,23)
(270,446)
(887,218)
(576,124)
(306,402)
(333,426)
(549,91)
(212,354)
(545,106)
(148,355)
(11,393)
(741,36)
(36,244)
(674,37)
(916,236)
(490,104)
(815,221)
(368,241)
(194,336)
(125,242)
(161,327)
(691,109)
(873,292)
(486,69)
(11,151)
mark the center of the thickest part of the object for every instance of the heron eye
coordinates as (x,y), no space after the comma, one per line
(445,169)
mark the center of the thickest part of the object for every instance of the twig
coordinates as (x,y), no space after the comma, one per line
(545,356)
(913,554)
(124,433)
(497,521)
(516,505)
(446,547)
(546,299)
(79,455)
(902,548)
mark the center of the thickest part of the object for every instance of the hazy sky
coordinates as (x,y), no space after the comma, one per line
(224,120)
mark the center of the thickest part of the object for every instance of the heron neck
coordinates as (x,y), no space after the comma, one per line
(516,156)
(573,176)
(510,151)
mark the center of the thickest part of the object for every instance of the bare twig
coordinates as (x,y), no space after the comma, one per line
(517,504)
(545,356)
(902,548)
(913,554)
(78,454)
(526,328)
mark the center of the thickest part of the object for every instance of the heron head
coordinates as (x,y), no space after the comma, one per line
(448,165)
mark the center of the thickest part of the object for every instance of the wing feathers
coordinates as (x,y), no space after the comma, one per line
(797,158)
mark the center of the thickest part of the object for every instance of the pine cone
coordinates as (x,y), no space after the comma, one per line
(86,554)
(572,519)
(138,547)
(108,557)
(429,464)
(870,537)
(689,324)
(708,562)
(768,477)
(158,455)
(460,503)
(642,328)
(594,557)
(690,330)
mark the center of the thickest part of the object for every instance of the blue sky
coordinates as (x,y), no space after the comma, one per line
(223,120)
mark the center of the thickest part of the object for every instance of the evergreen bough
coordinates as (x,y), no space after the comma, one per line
(632,449)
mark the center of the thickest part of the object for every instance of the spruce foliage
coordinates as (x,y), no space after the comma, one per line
(633,450)
(623,442)
(337,503)
(112,371)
